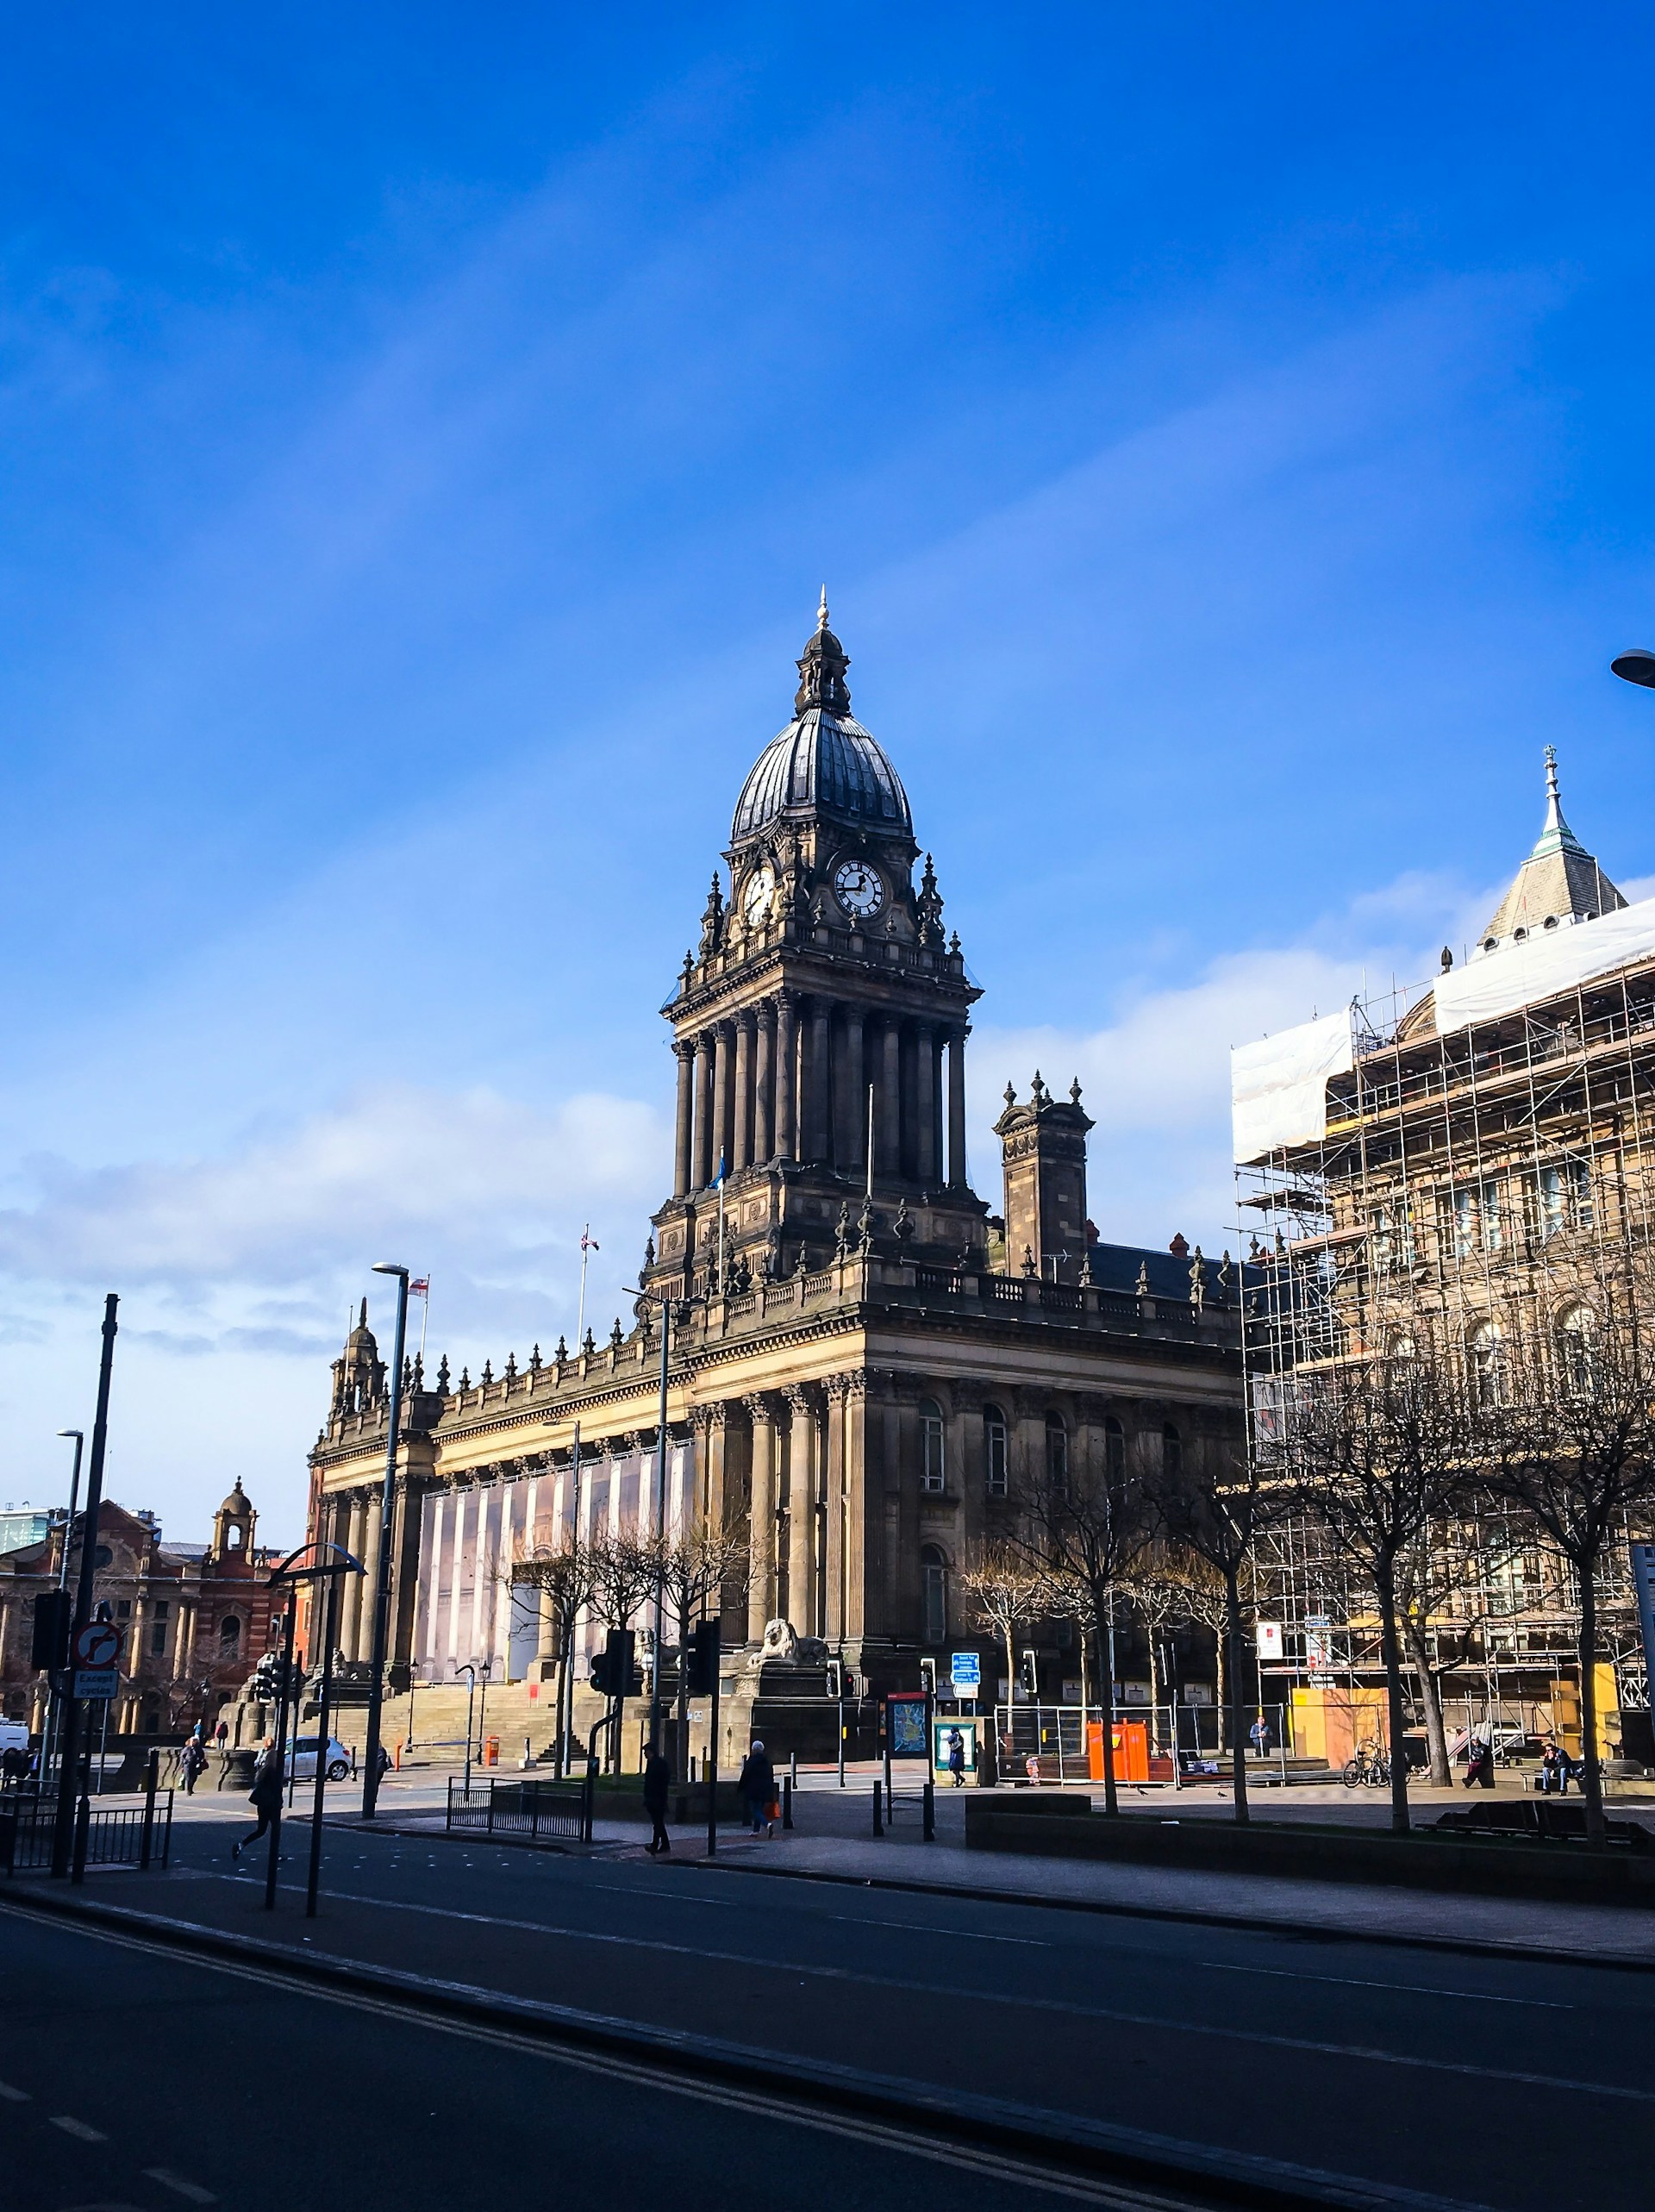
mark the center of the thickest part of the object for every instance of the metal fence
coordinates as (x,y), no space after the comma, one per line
(544,1812)
(1055,1737)
(117,1835)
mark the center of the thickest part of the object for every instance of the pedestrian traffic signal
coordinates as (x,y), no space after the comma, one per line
(614,1672)
(1031,1675)
(700,1660)
(928,1676)
(49,1648)
(835,1678)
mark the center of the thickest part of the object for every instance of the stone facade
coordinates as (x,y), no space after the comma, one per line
(851,1389)
(195,1618)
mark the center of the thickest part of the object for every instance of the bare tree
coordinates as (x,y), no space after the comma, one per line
(1573,1438)
(1376,1449)
(1090,1525)
(694,1569)
(1008,1590)
(1216,1506)
(564,1572)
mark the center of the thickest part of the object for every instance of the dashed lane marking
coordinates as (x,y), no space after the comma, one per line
(11,2095)
(78,2128)
(175,2182)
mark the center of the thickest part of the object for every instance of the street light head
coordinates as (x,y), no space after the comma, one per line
(1636,667)
(388,1267)
(75,1433)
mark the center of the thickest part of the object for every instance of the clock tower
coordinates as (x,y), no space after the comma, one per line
(823,1009)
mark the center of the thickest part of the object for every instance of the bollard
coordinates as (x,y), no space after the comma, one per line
(793,1768)
(787,1801)
(878,1825)
(83,1827)
(150,1771)
(928,1808)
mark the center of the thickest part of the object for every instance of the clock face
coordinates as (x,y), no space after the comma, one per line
(857,888)
(755,900)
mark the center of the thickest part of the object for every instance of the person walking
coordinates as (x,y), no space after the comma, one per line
(757,1785)
(956,1758)
(192,1760)
(658,1776)
(1479,1764)
(266,1795)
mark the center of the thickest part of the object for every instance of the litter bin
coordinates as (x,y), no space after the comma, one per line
(490,1751)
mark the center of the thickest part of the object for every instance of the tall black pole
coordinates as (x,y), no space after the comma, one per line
(330,1631)
(281,1745)
(382,1565)
(63,1833)
(660,1545)
(54,1681)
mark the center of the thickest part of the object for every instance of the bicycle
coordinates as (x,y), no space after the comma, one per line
(1368,1764)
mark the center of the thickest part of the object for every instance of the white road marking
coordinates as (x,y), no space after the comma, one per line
(15,2095)
(1351,1982)
(78,2129)
(1071,2009)
(179,2186)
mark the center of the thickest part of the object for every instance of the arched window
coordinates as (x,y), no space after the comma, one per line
(230,1636)
(1578,1350)
(994,1451)
(1114,1449)
(1171,1450)
(931,1466)
(1487,1361)
(934,1566)
(1057,1451)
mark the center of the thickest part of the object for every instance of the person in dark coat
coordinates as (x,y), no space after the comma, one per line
(658,1776)
(1479,1764)
(757,1785)
(956,1758)
(266,1795)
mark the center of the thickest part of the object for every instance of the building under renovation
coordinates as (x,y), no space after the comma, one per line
(1475,1152)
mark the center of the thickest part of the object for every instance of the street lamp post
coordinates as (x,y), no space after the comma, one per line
(382,1565)
(666,1305)
(54,1686)
(468,1668)
(63,1833)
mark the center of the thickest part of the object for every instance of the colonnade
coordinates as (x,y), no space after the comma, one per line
(790,1079)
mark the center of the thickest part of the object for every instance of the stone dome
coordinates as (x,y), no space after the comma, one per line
(824,761)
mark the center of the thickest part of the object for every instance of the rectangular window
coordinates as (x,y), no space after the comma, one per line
(1478,1225)
(994,1433)
(931,1473)
(1565,1198)
(158,1637)
(123,1609)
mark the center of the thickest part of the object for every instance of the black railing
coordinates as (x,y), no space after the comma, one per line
(544,1812)
(116,1835)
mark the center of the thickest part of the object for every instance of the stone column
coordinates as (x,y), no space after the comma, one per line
(821,1126)
(888,1112)
(140,1623)
(351,1631)
(802,1510)
(682,1163)
(849,1145)
(761,1520)
(721,1101)
(373,1538)
(787,1010)
(706,1159)
(742,1156)
(926,1133)
(833,1498)
(956,1175)
(764,1143)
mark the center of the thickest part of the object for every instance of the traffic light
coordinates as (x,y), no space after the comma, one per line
(614,1672)
(53,1610)
(1031,1674)
(270,1680)
(928,1676)
(835,1678)
(700,1660)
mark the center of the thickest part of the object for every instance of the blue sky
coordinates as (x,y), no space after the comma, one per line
(1224,435)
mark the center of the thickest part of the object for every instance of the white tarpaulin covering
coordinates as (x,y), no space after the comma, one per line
(1278,1087)
(1516,975)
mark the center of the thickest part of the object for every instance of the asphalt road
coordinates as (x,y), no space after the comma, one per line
(1481,2080)
(133,2080)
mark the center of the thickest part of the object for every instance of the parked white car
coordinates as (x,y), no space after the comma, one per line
(302,1759)
(14,1736)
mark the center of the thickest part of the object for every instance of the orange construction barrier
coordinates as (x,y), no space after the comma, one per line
(1130,1745)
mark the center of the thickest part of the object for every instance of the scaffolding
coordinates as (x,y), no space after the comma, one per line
(1474,1173)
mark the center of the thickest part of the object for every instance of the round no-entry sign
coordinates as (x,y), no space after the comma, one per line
(97,1645)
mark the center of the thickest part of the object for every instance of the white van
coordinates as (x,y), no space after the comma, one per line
(14,1736)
